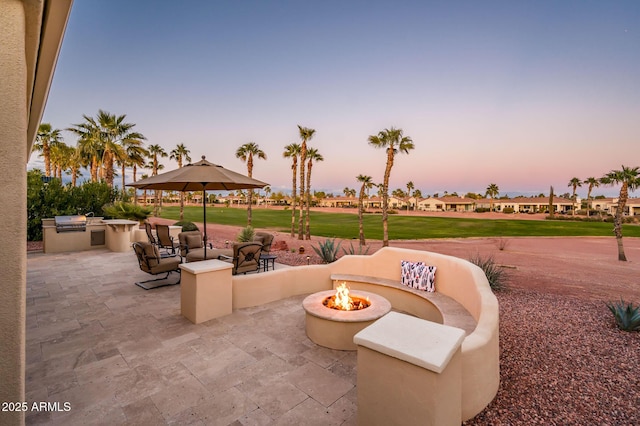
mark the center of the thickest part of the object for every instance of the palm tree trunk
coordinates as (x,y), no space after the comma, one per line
(294,167)
(46,153)
(108,165)
(617,221)
(621,256)
(385,198)
(123,183)
(135,190)
(308,203)
(302,193)
(250,198)
(303,159)
(360,217)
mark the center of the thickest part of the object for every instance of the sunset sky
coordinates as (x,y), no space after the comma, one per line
(521,94)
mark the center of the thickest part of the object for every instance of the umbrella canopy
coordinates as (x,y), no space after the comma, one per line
(200,176)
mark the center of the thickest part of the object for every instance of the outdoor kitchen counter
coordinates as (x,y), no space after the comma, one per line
(93,237)
(119,234)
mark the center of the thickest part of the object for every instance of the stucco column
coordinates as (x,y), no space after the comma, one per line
(13,233)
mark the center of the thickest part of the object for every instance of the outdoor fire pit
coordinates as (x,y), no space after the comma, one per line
(333,327)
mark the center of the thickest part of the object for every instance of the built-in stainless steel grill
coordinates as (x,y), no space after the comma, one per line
(71,223)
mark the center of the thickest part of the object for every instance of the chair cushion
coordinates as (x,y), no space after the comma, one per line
(193,241)
(152,255)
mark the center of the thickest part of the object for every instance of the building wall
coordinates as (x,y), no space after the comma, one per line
(31,32)
(13,145)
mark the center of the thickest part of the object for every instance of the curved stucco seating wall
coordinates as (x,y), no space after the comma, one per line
(456,278)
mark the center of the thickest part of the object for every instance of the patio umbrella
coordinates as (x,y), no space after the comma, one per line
(200,176)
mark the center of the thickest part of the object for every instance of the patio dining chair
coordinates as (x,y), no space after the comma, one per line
(165,240)
(246,257)
(151,262)
(149,230)
(266,258)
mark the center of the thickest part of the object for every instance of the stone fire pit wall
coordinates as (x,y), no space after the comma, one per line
(456,278)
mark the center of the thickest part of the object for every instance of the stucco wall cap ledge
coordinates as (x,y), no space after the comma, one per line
(413,340)
(205,266)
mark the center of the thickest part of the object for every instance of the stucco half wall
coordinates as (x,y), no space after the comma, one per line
(456,278)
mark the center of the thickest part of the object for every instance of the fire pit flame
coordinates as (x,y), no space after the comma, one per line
(343,302)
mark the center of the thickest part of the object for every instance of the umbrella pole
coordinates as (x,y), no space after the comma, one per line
(204,206)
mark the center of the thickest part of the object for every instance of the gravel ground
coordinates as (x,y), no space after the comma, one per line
(562,360)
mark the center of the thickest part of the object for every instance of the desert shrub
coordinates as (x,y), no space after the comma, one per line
(502,243)
(495,274)
(482,209)
(122,210)
(359,251)
(626,315)
(328,251)
(508,210)
(392,211)
(246,235)
(187,226)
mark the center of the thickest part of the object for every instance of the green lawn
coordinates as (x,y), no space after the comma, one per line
(345,225)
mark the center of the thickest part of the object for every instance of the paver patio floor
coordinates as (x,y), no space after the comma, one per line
(118,354)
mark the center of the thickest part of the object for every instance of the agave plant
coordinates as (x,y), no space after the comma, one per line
(627,316)
(353,251)
(494,273)
(328,250)
(246,235)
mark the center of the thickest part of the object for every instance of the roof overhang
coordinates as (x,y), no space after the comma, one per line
(45,27)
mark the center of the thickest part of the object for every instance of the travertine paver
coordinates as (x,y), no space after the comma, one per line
(121,355)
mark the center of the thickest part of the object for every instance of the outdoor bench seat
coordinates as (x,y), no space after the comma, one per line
(453,313)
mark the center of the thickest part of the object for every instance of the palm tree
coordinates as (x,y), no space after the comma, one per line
(629,180)
(292,151)
(267,192)
(312,155)
(131,147)
(492,192)
(367,183)
(393,141)
(103,137)
(305,134)
(593,183)
(179,153)
(410,187)
(45,139)
(144,192)
(156,151)
(349,192)
(574,183)
(246,153)
(58,156)
(115,131)
(89,144)
(76,162)
(136,158)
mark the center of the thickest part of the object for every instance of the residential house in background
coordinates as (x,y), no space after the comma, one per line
(529,204)
(609,205)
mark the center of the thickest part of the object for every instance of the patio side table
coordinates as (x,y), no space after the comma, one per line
(265,259)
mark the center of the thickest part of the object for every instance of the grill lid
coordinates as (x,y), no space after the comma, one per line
(71,223)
